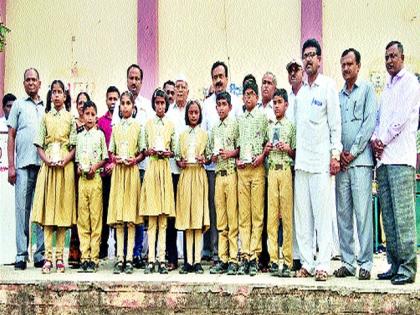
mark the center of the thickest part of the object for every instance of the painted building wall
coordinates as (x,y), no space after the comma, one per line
(250,36)
(368,25)
(88,43)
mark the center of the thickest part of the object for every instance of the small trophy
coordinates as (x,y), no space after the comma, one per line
(159,145)
(217,146)
(191,150)
(85,161)
(247,154)
(276,136)
(55,152)
(124,150)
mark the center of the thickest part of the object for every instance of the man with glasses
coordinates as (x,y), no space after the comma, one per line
(394,146)
(354,182)
(318,148)
(23,122)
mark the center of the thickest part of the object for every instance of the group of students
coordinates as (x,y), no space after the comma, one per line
(63,148)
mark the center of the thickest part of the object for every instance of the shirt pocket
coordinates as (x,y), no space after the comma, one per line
(317,111)
(357,111)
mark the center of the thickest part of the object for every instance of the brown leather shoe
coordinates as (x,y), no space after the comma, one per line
(171,266)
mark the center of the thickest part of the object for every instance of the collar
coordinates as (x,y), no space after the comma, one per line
(40,102)
(281,121)
(191,130)
(355,86)
(318,81)
(159,120)
(398,76)
(269,105)
(251,113)
(55,112)
(108,115)
(224,122)
(127,121)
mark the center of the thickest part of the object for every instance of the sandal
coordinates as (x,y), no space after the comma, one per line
(303,273)
(59,265)
(321,275)
(46,268)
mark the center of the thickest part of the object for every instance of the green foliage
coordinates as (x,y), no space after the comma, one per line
(3,31)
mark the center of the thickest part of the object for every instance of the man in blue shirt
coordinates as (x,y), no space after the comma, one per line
(354,181)
(23,123)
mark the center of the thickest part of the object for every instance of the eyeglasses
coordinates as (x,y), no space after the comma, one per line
(170,92)
(309,55)
(249,94)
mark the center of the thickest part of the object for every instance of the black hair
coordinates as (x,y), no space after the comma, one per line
(312,42)
(189,104)
(219,63)
(399,45)
(250,85)
(159,92)
(137,67)
(355,52)
(112,89)
(282,93)
(131,97)
(169,82)
(89,104)
(7,98)
(80,94)
(224,96)
(248,77)
(67,102)
(29,69)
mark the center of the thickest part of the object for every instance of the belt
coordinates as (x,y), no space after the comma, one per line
(158,157)
(280,167)
(222,173)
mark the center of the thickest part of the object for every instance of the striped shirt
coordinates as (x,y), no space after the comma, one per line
(91,147)
(281,130)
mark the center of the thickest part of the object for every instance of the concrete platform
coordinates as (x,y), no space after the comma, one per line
(30,292)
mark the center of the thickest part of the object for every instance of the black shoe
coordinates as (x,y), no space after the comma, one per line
(186,268)
(206,258)
(400,279)
(219,268)
(285,273)
(342,272)
(150,268)
(296,265)
(274,269)
(39,264)
(84,266)
(198,269)
(243,268)
(364,274)
(138,263)
(20,265)
(253,267)
(91,267)
(128,267)
(232,269)
(162,269)
(388,275)
(118,267)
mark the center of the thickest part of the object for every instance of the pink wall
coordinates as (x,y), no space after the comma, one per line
(2,55)
(311,21)
(147,44)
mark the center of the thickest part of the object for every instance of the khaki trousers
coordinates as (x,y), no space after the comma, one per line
(89,221)
(131,229)
(251,184)
(151,237)
(280,205)
(59,244)
(226,202)
(193,237)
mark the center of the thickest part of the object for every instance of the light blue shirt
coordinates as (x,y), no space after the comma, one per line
(358,117)
(25,118)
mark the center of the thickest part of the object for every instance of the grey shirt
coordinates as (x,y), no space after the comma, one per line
(25,118)
(358,117)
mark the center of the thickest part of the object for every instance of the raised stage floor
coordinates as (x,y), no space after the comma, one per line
(30,292)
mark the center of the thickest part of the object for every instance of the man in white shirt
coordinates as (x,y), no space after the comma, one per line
(268,86)
(144,111)
(176,114)
(318,148)
(295,76)
(394,146)
(219,76)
